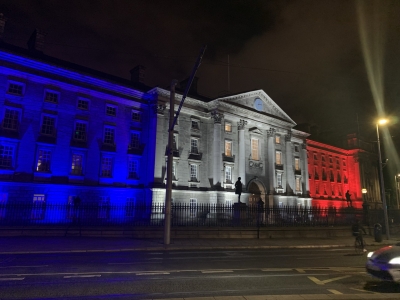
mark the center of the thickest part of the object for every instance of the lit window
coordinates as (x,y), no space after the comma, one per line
(228,174)
(83,104)
(134,142)
(277,139)
(15,89)
(43,161)
(133,169)
(228,148)
(6,156)
(297,164)
(11,119)
(195,125)
(80,131)
(228,127)
(279,180)
(194,146)
(106,166)
(278,157)
(254,149)
(111,110)
(109,134)
(298,189)
(193,172)
(48,125)
(76,164)
(51,97)
(135,116)
(38,207)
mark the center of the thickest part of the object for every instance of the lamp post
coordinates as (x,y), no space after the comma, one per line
(385,213)
(397,182)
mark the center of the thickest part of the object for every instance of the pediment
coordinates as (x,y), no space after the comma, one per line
(255,130)
(256,102)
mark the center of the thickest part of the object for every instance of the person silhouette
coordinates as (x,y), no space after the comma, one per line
(348,199)
(238,188)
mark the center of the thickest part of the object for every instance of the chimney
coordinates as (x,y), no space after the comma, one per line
(193,87)
(2,25)
(36,41)
(138,74)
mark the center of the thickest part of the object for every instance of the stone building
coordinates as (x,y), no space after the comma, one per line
(218,140)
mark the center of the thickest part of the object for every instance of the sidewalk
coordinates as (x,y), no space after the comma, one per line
(29,244)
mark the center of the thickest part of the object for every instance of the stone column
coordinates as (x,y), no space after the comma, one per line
(241,153)
(271,160)
(305,180)
(290,182)
(217,154)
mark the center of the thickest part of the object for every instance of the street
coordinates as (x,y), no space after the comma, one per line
(178,274)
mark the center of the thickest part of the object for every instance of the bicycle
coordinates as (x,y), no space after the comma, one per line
(358,244)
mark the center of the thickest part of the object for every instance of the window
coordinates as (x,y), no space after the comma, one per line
(193,172)
(279,180)
(193,207)
(136,116)
(298,189)
(277,139)
(344,163)
(80,131)
(109,134)
(323,158)
(130,207)
(316,175)
(297,164)
(50,96)
(315,157)
(195,124)
(48,125)
(254,149)
(228,127)
(6,156)
(133,168)
(134,142)
(106,166)
(3,203)
(111,110)
(325,193)
(76,164)
(38,207)
(15,88)
(11,119)
(228,148)
(278,157)
(228,174)
(174,170)
(175,142)
(194,145)
(296,148)
(43,160)
(83,104)
(330,160)
(333,190)
(104,208)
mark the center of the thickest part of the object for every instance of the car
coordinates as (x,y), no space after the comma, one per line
(384,263)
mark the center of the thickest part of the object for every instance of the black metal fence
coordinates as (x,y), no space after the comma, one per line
(208,215)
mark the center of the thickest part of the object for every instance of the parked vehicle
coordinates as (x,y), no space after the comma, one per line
(385,263)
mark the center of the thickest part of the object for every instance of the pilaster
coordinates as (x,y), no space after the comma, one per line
(241,153)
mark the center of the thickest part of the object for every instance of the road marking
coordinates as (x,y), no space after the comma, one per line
(152,273)
(360,290)
(322,282)
(277,270)
(81,276)
(335,292)
(7,279)
(217,271)
(40,266)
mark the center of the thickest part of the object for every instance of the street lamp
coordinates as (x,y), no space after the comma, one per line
(385,213)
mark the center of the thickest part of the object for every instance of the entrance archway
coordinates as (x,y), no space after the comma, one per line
(256,191)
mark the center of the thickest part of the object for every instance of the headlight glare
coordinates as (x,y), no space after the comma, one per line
(370,254)
(395,261)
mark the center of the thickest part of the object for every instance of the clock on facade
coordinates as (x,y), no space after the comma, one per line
(258,104)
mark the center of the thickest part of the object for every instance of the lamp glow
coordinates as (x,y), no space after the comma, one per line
(382,121)
(395,261)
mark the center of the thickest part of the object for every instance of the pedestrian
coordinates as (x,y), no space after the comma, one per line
(348,200)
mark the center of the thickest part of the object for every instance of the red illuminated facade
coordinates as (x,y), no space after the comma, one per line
(333,171)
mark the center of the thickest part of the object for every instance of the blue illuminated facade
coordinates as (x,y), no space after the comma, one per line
(70,133)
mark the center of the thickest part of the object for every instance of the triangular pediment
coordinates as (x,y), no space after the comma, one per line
(255,102)
(255,130)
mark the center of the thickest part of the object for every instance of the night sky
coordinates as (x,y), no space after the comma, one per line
(306,54)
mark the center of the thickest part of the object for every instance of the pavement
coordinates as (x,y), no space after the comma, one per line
(48,244)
